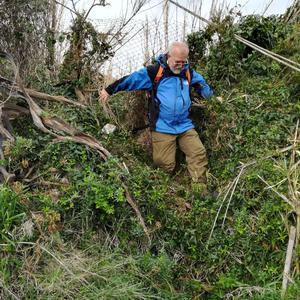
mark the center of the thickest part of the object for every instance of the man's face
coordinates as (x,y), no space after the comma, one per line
(177,60)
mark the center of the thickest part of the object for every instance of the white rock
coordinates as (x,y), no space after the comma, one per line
(27,228)
(109,128)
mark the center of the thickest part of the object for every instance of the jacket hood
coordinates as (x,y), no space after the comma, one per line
(162,60)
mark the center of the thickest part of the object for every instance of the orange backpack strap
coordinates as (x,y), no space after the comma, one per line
(159,74)
(188,76)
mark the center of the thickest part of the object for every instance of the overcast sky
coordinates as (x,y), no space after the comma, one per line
(154,7)
(130,55)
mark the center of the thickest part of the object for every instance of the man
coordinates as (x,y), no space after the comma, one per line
(170,121)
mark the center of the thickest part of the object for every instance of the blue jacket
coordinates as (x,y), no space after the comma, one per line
(172,94)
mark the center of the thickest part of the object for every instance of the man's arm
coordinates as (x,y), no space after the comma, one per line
(138,80)
(201,86)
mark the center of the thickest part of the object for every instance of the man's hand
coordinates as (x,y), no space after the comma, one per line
(103,97)
(103,100)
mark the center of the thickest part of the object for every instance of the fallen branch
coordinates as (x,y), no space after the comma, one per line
(42,96)
(283,197)
(80,96)
(5,134)
(292,198)
(55,126)
(231,187)
(137,211)
(232,192)
(12,111)
(4,123)
(8,177)
(288,261)
(11,87)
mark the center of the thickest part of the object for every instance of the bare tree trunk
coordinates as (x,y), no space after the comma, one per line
(166,23)
(184,27)
(177,37)
(146,53)
(193,7)
(52,35)
(200,10)
(212,9)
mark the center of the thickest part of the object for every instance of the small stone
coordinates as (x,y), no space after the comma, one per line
(27,228)
(109,128)
(64,180)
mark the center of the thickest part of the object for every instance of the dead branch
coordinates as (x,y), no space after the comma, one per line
(137,211)
(80,96)
(43,96)
(12,111)
(86,140)
(8,177)
(292,199)
(10,86)
(288,261)
(68,8)
(101,3)
(5,134)
(55,125)
(136,7)
(60,125)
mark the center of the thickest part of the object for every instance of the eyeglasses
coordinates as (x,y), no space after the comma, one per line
(181,62)
(178,63)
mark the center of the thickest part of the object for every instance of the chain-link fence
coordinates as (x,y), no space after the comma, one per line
(138,42)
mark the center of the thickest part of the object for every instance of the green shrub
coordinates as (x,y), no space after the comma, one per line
(10,213)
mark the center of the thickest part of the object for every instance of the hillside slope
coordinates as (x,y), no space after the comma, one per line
(67,230)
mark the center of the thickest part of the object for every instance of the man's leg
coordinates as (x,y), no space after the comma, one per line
(190,144)
(164,150)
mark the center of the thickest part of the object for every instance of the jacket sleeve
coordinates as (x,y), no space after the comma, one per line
(138,80)
(201,86)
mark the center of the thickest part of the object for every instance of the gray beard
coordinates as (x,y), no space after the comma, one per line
(176,71)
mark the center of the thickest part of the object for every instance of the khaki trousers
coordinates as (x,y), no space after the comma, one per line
(164,152)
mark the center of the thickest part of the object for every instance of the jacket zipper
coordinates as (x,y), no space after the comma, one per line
(181,84)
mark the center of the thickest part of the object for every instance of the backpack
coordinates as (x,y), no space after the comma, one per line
(153,102)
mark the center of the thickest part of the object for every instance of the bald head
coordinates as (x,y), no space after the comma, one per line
(179,48)
(178,53)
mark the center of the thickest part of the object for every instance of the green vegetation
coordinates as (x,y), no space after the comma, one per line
(68,232)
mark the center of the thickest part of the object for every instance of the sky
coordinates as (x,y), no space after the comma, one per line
(132,53)
(154,7)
